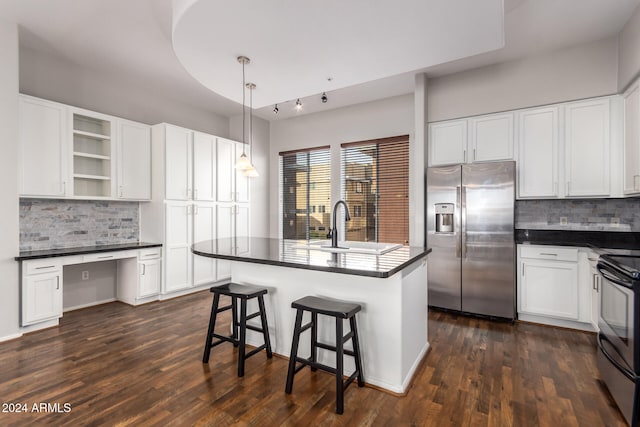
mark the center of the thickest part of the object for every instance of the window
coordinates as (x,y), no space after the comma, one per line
(375,185)
(305,177)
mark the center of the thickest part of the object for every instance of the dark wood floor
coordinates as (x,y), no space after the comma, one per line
(119,365)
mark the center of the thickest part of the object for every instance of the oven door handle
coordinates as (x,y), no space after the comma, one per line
(626,370)
(610,276)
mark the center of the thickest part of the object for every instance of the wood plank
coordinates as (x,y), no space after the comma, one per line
(122,365)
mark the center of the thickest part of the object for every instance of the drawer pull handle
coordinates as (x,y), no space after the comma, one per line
(105,257)
(46,266)
(548,254)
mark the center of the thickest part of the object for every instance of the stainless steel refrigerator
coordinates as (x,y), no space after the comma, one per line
(470,221)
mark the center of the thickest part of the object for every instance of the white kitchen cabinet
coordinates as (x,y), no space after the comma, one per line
(242,228)
(204,228)
(476,139)
(43,148)
(139,278)
(491,138)
(204,161)
(552,286)
(226,232)
(593,280)
(177,247)
(448,142)
(631,181)
(41,291)
(134,160)
(232,185)
(177,161)
(538,149)
(587,148)
(149,278)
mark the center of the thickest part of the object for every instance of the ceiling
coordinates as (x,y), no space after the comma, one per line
(295,46)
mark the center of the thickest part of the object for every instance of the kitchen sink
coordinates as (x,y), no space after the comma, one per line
(350,247)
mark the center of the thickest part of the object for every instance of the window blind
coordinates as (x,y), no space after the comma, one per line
(375,185)
(305,177)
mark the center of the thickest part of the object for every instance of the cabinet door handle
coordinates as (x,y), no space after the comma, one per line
(464,156)
(595,282)
(195,209)
(474,154)
(57,282)
(523,269)
(144,269)
(64,188)
(121,191)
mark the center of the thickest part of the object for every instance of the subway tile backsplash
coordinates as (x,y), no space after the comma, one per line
(588,214)
(49,224)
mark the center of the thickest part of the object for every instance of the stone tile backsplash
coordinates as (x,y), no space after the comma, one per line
(587,214)
(48,224)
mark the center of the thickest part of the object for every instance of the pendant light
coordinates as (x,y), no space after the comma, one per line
(251,171)
(243,162)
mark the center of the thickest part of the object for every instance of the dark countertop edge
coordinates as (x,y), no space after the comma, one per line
(582,238)
(83,250)
(328,269)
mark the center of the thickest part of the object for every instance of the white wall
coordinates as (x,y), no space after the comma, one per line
(9,248)
(574,73)
(259,186)
(379,119)
(629,51)
(51,77)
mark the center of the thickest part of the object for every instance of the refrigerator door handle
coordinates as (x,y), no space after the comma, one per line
(457,230)
(463,215)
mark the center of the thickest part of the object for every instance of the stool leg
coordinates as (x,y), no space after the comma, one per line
(265,327)
(339,367)
(234,322)
(294,352)
(356,350)
(243,336)
(314,339)
(212,325)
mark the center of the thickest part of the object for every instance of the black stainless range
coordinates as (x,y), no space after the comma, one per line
(619,337)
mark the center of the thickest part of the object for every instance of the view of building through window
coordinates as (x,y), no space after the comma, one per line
(375,185)
(306,193)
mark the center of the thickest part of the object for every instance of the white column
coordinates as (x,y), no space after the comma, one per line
(418,163)
(9,244)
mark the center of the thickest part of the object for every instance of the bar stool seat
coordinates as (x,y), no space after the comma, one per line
(238,336)
(340,310)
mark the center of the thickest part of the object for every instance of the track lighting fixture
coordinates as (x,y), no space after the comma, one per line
(298,104)
(324,97)
(275,109)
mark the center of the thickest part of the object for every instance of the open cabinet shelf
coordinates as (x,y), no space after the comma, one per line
(92,156)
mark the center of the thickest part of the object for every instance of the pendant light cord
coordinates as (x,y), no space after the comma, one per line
(251,124)
(244,141)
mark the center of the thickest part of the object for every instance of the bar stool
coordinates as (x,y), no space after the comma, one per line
(338,310)
(239,335)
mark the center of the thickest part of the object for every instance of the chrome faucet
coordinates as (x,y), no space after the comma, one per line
(333,232)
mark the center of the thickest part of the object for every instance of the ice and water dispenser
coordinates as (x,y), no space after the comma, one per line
(444,217)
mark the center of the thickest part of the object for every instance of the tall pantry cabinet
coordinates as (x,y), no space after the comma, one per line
(197,195)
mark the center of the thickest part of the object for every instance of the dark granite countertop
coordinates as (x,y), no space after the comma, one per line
(82,250)
(288,253)
(592,239)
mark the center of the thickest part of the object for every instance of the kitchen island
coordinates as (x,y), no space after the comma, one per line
(392,289)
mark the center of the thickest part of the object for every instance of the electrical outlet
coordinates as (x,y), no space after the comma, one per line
(85,275)
(563,220)
(615,222)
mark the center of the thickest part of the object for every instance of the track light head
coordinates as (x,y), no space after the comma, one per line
(324,98)
(275,109)
(298,104)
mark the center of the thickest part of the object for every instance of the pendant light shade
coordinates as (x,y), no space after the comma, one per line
(243,162)
(251,172)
